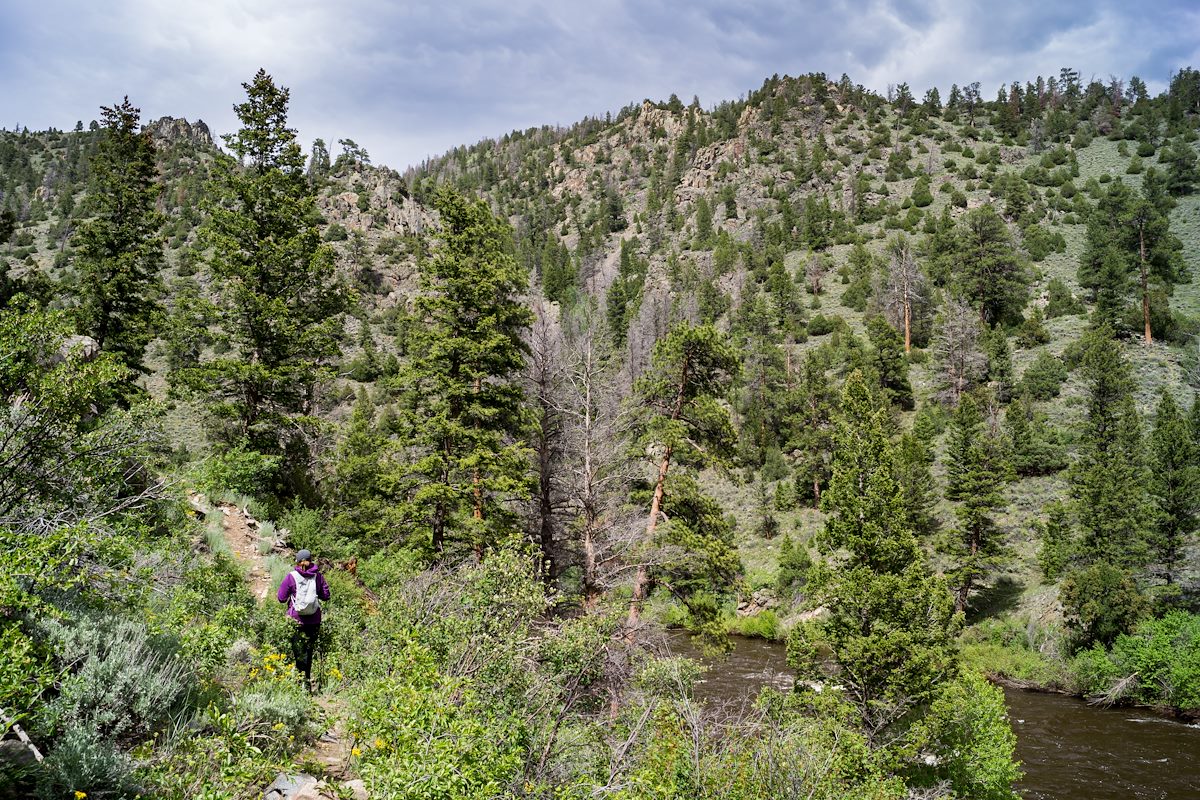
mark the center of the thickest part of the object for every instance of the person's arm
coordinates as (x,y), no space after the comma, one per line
(322,587)
(286,588)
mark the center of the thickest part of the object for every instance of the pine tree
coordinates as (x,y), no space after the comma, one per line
(914,462)
(280,302)
(1174,486)
(887,361)
(1108,480)
(990,271)
(809,423)
(1057,541)
(975,475)
(681,420)
(120,249)
(889,634)
(1129,245)
(463,402)
(355,485)
(1034,447)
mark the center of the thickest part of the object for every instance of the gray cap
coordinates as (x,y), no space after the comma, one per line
(303,555)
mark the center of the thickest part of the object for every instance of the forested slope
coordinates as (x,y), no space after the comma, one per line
(910,383)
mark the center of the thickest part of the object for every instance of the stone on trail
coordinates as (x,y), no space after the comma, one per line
(290,787)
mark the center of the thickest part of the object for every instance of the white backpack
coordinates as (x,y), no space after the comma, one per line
(305,600)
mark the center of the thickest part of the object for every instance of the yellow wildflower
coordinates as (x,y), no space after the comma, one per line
(80,795)
(379,742)
(355,752)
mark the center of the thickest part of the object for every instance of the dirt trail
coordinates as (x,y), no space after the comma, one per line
(242,535)
(241,532)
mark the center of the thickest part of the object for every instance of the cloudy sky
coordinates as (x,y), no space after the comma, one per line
(407,80)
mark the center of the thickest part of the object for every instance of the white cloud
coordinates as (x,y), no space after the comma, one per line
(407,80)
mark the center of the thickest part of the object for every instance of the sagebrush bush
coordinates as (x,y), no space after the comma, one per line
(122,682)
(82,761)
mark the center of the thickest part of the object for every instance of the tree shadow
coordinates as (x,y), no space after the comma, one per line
(992,601)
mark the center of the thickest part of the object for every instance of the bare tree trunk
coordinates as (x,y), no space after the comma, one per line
(1145,284)
(907,325)
(642,581)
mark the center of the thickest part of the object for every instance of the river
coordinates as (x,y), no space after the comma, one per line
(1068,749)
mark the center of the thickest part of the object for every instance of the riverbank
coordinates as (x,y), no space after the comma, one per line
(1154,670)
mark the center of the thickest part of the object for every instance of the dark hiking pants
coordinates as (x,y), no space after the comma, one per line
(304,647)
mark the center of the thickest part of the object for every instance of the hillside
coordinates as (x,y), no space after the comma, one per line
(944,287)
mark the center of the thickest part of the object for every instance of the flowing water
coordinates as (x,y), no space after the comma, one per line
(1068,749)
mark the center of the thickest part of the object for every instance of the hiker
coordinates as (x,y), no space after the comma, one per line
(303,589)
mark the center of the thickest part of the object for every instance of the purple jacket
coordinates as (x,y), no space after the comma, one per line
(288,588)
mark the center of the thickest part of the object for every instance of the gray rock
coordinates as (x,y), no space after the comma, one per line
(289,786)
(357,789)
(16,754)
(84,348)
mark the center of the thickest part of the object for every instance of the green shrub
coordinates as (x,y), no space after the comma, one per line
(967,728)
(1165,655)
(1043,379)
(1092,671)
(1101,602)
(122,682)
(25,672)
(239,470)
(82,761)
(1056,543)
(1040,242)
(307,528)
(1032,332)
(921,196)
(1060,302)
(820,325)
(435,731)
(794,566)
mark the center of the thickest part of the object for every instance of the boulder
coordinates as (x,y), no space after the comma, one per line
(291,787)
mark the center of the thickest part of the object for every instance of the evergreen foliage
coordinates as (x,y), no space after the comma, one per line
(975,476)
(1108,479)
(464,459)
(890,628)
(119,251)
(280,300)
(1174,487)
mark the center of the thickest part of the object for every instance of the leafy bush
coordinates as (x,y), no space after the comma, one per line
(967,728)
(25,672)
(423,728)
(1165,655)
(1158,664)
(240,470)
(1101,602)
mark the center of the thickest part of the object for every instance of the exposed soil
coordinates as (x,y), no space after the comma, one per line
(241,532)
